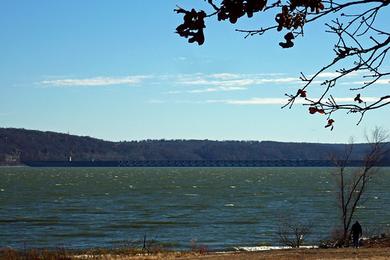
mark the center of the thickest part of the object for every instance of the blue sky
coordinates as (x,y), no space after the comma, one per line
(115,70)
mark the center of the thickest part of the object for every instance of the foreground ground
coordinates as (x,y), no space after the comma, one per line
(374,249)
(342,253)
(325,254)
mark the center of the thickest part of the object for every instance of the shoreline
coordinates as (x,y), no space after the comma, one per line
(274,254)
(373,248)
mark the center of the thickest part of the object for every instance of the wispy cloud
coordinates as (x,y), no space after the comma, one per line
(94,82)
(251,101)
(327,75)
(194,83)
(222,88)
(225,76)
(200,82)
(156,101)
(227,81)
(378,82)
(336,74)
(279,101)
(210,80)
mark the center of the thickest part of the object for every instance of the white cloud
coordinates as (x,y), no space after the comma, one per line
(174,92)
(279,101)
(221,83)
(336,74)
(211,82)
(252,101)
(230,88)
(205,82)
(200,82)
(225,76)
(328,74)
(230,81)
(378,82)
(94,82)
(156,101)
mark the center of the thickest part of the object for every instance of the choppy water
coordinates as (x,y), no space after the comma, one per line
(217,207)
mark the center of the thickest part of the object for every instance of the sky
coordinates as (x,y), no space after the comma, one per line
(116,70)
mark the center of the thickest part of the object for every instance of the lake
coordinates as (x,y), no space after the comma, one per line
(217,207)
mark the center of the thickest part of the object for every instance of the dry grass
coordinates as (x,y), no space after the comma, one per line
(376,249)
(309,254)
(34,254)
(291,254)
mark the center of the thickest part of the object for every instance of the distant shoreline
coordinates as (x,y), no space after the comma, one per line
(47,149)
(192,163)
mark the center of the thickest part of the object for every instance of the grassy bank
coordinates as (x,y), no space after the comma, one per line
(339,253)
(373,249)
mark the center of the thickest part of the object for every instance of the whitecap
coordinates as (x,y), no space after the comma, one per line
(194,186)
(233,187)
(2,190)
(375,197)
(191,194)
(229,205)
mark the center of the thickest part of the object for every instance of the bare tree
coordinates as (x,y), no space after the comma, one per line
(293,233)
(352,185)
(361,45)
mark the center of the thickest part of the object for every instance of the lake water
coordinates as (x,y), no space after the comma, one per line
(217,207)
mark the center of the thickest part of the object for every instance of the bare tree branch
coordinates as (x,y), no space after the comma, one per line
(359,42)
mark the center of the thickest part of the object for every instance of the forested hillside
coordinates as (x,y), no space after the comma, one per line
(18,145)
